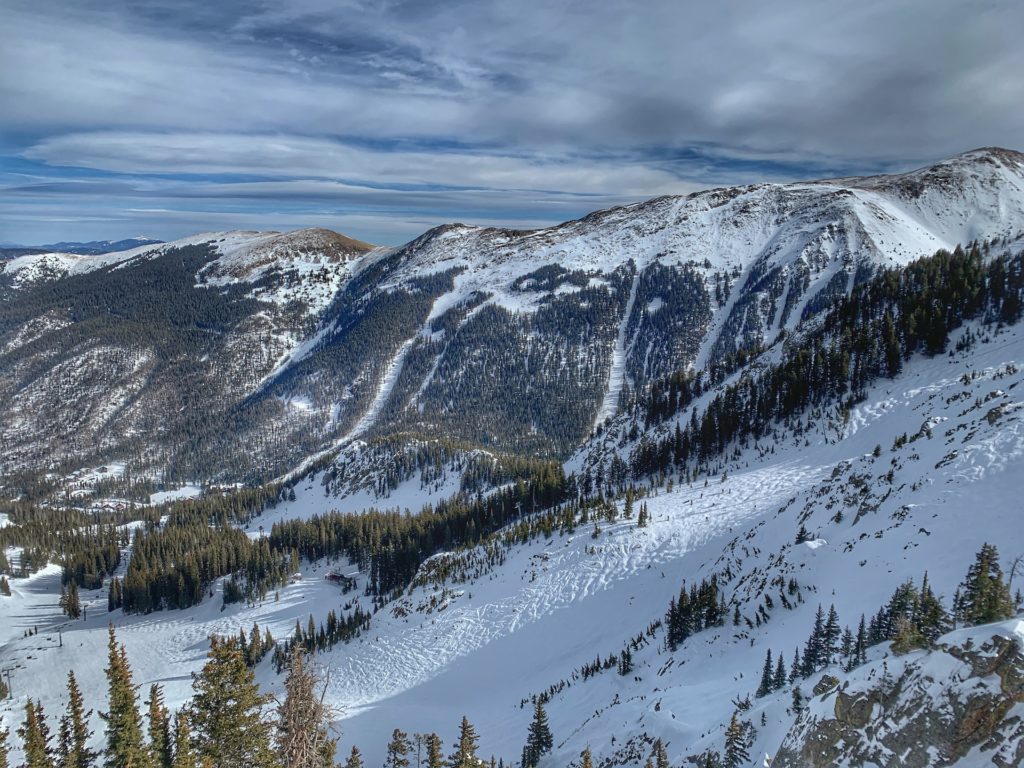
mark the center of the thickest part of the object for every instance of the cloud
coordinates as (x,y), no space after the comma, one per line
(292,156)
(604,99)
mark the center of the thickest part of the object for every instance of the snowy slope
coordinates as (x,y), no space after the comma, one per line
(514,628)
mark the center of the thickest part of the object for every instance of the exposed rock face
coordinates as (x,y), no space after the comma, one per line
(959,704)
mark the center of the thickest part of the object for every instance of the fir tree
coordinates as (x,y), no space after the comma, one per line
(814,649)
(539,740)
(303,719)
(184,755)
(779,680)
(35,737)
(984,596)
(932,619)
(124,723)
(114,599)
(735,744)
(226,713)
(398,750)
(435,756)
(586,759)
(464,755)
(5,750)
(74,734)
(767,679)
(159,729)
(355,758)
(860,646)
(72,603)
(830,636)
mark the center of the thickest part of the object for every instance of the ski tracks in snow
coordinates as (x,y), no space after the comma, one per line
(399,653)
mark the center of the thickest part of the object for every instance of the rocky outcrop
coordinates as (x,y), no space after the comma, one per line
(959,704)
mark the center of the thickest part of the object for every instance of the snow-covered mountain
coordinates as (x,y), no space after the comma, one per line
(512,341)
(122,356)
(914,478)
(455,364)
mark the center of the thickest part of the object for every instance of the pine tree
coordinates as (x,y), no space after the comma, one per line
(984,596)
(932,619)
(586,759)
(355,758)
(796,667)
(830,636)
(814,649)
(74,734)
(779,680)
(159,729)
(73,606)
(226,713)
(435,757)
(5,750)
(860,646)
(643,518)
(539,740)
(464,755)
(735,744)
(70,602)
(124,723)
(303,720)
(398,750)
(184,755)
(114,598)
(767,680)
(846,646)
(35,737)
(660,754)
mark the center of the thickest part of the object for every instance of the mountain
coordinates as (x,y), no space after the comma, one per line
(517,342)
(629,464)
(14,251)
(97,247)
(154,343)
(841,505)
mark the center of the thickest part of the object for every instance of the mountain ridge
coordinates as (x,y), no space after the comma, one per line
(591,311)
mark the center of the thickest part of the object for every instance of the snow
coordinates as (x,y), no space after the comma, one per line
(311,498)
(188,491)
(617,372)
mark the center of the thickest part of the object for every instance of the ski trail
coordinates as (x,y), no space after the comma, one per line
(383,392)
(617,374)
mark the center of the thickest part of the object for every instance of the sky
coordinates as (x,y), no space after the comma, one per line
(383,118)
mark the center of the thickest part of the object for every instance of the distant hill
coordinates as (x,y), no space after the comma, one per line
(96,247)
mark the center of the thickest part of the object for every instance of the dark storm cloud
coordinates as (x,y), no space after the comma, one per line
(586,103)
